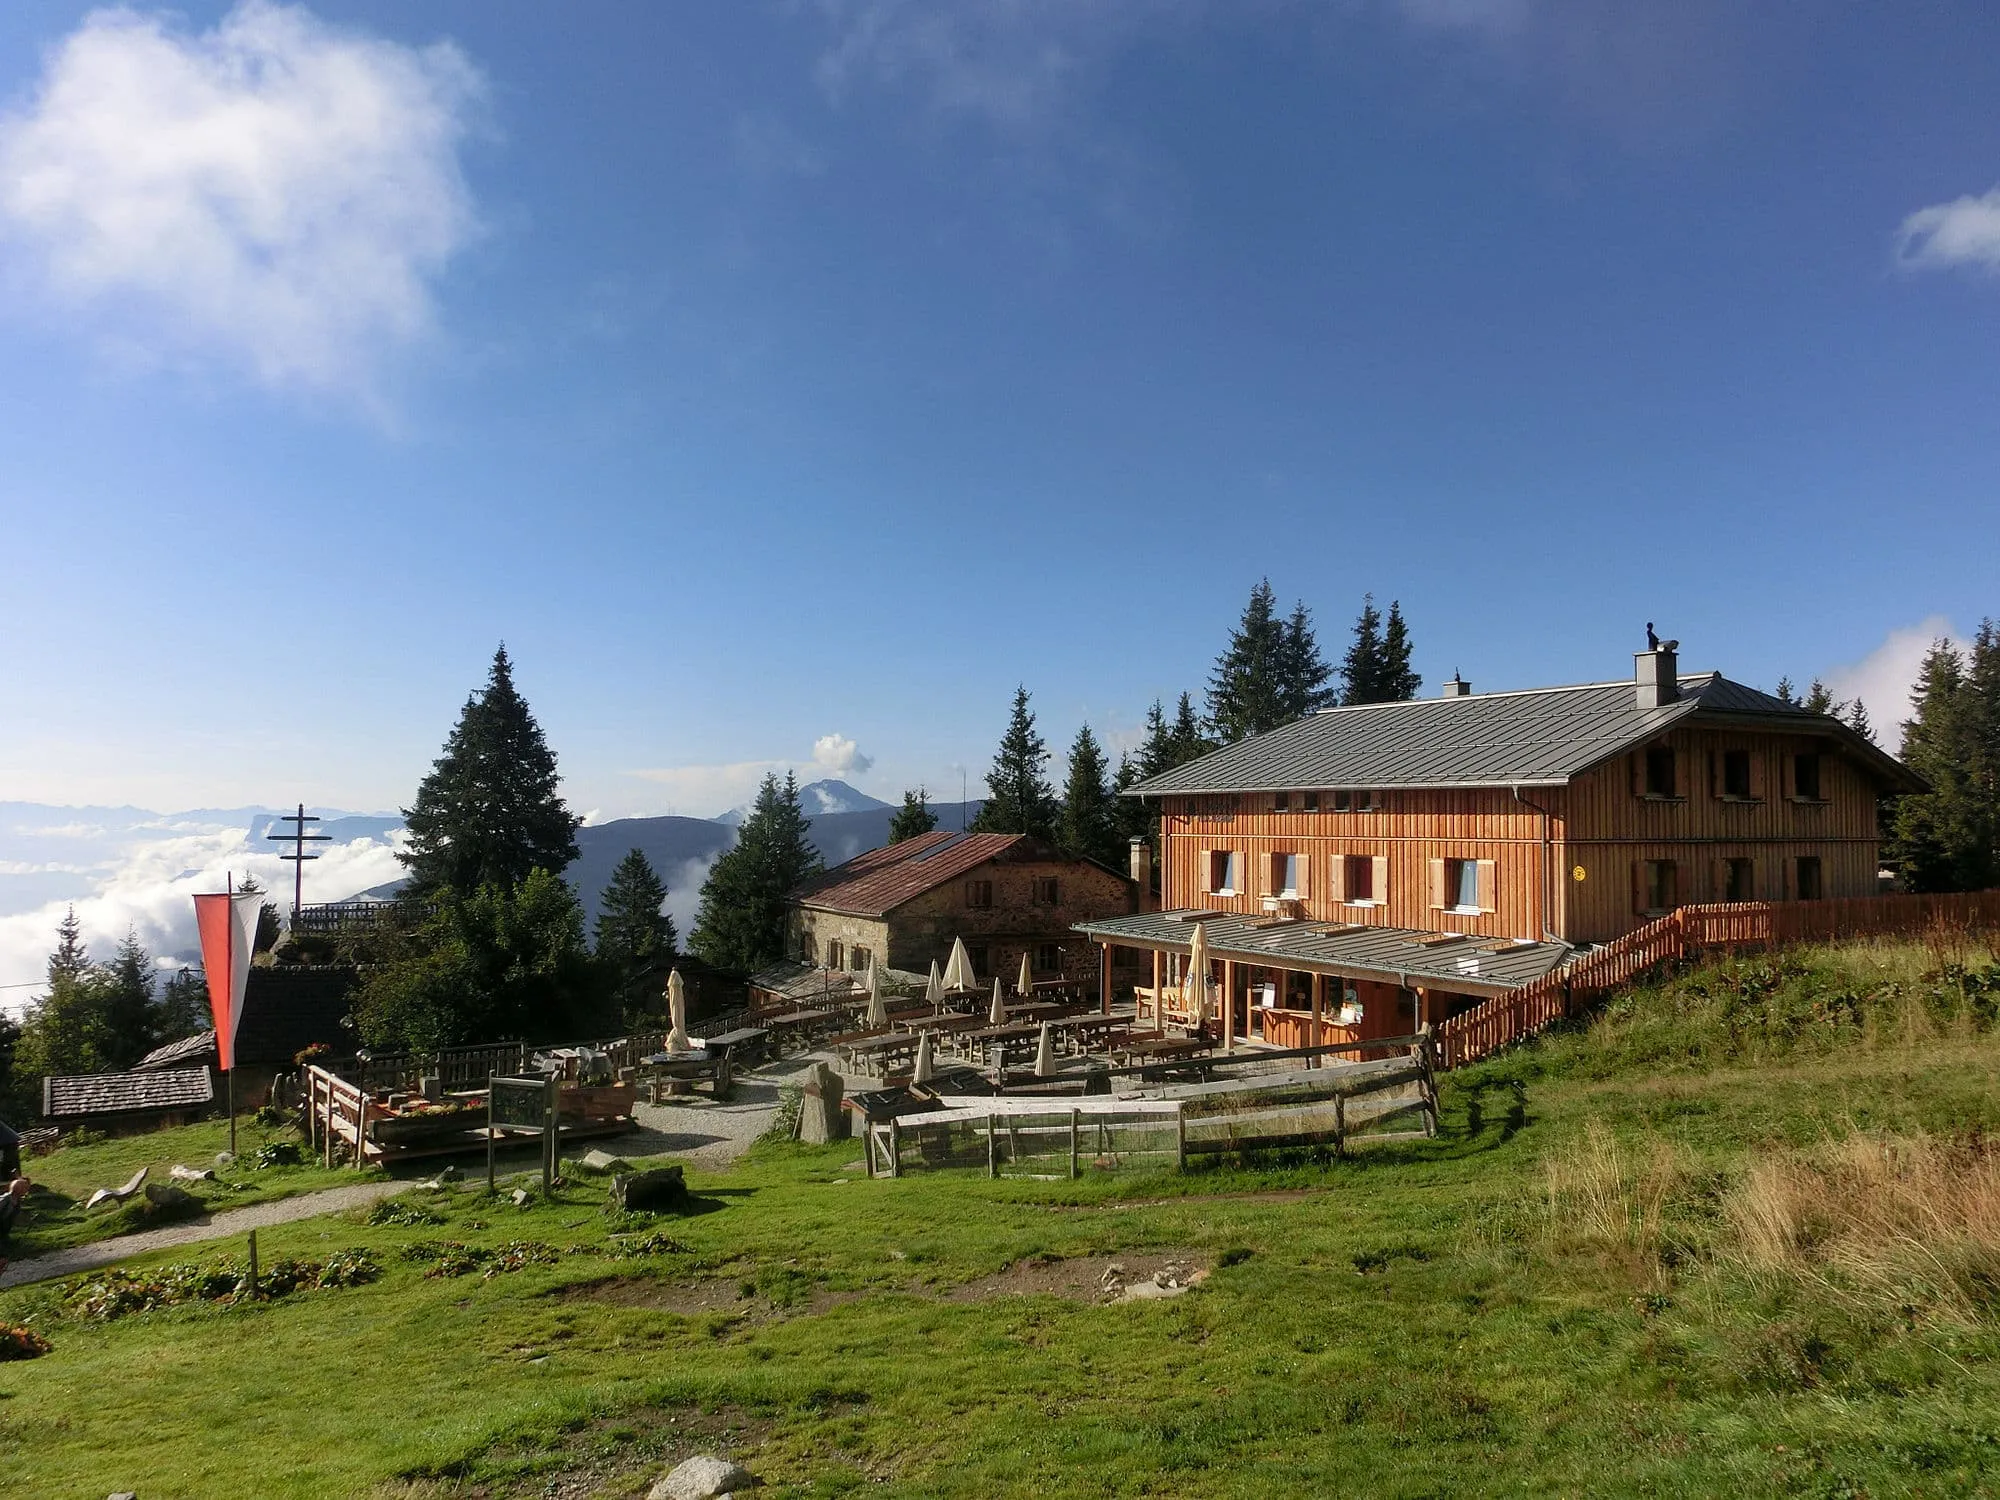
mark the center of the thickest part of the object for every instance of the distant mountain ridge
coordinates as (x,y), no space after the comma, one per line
(818,799)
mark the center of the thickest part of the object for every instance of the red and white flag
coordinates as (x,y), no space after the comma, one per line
(228,925)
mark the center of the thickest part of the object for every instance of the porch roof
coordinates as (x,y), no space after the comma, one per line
(1459,963)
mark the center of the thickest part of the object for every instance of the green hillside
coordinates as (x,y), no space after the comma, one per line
(1740,1235)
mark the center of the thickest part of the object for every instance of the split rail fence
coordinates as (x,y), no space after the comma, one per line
(1692,931)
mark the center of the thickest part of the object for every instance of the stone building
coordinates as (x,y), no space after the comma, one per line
(1004,894)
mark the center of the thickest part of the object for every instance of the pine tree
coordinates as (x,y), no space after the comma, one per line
(1156,749)
(1304,674)
(1399,681)
(1361,670)
(1857,720)
(490,811)
(1186,740)
(130,1020)
(1820,700)
(634,936)
(15,1100)
(71,959)
(1786,693)
(184,1008)
(1018,796)
(1088,827)
(914,818)
(269,930)
(1247,691)
(1944,838)
(746,900)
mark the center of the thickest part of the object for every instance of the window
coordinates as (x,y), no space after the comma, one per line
(1363,801)
(978,956)
(1309,801)
(1659,885)
(1736,775)
(1359,879)
(979,895)
(1810,886)
(859,963)
(1805,778)
(1284,875)
(1224,867)
(833,953)
(1281,802)
(1048,958)
(1739,880)
(1461,882)
(1048,891)
(1660,772)
(808,949)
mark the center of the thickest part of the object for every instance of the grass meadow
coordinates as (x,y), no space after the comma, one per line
(1738,1235)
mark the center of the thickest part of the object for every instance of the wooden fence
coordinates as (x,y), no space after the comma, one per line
(1689,932)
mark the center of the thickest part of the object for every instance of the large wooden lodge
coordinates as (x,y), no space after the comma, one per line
(1378,867)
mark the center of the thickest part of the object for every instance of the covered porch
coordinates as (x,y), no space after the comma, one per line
(1293,983)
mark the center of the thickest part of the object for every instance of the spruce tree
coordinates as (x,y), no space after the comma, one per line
(1156,749)
(914,818)
(1361,671)
(634,936)
(1857,720)
(1820,700)
(184,1008)
(1247,691)
(1186,740)
(1088,827)
(490,810)
(1399,681)
(746,900)
(1786,693)
(130,1019)
(1944,838)
(70,959)
(1018,796)
(1304,674)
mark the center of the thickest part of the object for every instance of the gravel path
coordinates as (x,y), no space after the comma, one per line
(219,1226)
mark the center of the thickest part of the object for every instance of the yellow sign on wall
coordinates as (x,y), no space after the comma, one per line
(1577,873)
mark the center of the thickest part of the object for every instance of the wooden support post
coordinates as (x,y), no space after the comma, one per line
(992,1151)
(1319,1002)
(895,1149)
(253,1265)
(491,1132)
(1180,1140)
(1340,1124)
(1074,1120)
(1104,978)
(326,1135)
(360,1133)
(1228,1004)
(1156,992)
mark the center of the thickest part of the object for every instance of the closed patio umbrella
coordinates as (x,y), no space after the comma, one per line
(1027,980)
(677,1012)
(934,991)
(958,975)
(923,1070)
(878,1014)
(1194,987)
(1045,1054)
(996,1014)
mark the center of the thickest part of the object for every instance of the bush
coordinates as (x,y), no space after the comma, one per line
(20,1342)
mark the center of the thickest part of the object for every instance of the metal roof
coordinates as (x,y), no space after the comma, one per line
(1539,737)
(1463,964)
(122,1093)
(876,883)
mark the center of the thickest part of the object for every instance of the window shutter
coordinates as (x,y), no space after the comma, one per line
(1207,871)
(1303,876)
(1486,884)
(1757,758)
(1336,877)
(1380,892)
(1718,875)
(1638,885)
(1267,875)
(1438,901)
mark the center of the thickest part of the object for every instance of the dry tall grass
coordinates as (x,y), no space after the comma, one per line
(1601,1194)
(1905,1224)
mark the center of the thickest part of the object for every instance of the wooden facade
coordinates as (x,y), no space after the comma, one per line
(1701,814)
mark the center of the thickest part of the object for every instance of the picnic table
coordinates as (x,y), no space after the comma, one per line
(743,1045)
(882,1051)
(1080,1031)
(689,1067)
(1002,1044)
(802,1024)
(940,1025)
(1161,1049)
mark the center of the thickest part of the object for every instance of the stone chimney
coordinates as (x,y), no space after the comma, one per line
(1658,676)
(1142,866)
(1458,687)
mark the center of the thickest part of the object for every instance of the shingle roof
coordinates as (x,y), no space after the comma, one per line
(197,1048)
(123,1093)
(876,883)
(1541,737)
(1471,965)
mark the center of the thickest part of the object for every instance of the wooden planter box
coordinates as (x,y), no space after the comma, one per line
(407,1130)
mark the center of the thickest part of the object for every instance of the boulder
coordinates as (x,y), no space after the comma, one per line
(662,1190)
(596,1160)
(703,1477)
(821,1117)
(167,1198)
(180,1173)
(522,1197)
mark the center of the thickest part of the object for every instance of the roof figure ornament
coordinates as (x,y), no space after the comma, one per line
(1654,643)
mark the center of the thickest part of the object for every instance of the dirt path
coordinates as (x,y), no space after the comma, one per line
(219,1226)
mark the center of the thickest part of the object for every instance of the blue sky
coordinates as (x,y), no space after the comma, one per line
(773,376)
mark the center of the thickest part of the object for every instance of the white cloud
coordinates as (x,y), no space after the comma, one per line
(148,892)
(275,192)
(704,791)
(1883,678)
(840,757)
(1963,232)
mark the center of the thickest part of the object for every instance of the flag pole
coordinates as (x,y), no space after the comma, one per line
(229,935)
